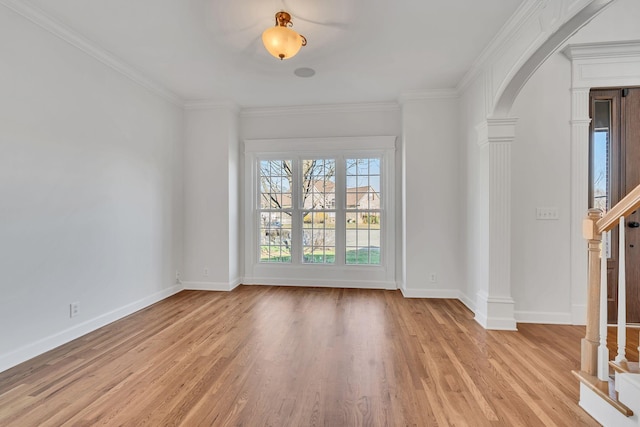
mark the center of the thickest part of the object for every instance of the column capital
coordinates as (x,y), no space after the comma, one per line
(496,130)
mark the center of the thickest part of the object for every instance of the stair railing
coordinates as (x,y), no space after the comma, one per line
(594,353)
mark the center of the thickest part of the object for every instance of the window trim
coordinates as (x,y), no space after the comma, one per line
(338,274)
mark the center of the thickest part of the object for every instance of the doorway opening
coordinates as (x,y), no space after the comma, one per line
(614,170)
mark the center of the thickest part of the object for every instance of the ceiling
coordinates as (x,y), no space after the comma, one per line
(361,50)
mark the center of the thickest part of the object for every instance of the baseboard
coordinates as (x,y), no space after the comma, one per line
(212,286)
(579,314)
(471,304)
(235,283)
(402,286)
(495,323)
(495,313)
(431,293)
(541,317)
(43,345)
(320,283)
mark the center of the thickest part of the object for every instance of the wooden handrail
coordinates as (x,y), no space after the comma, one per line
(628,204)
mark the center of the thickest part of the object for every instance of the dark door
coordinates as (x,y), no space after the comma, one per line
(615,171)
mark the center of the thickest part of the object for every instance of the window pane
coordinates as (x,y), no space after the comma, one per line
(600,170)
(363,237)
(600,156)
(363,211)
(275,184)
(275,237)
(275,211)
(363,184)
(318,195)
(319,238)
(318,184)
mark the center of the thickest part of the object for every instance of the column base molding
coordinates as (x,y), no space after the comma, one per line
(495,313)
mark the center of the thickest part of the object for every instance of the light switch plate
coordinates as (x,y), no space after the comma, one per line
(548,213)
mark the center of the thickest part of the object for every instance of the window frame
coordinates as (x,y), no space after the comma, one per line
(339,273)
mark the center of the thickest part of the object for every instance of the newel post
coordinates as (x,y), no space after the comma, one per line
(589,355)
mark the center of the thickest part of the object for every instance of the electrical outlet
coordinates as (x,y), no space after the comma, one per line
(433,278)
(177,276)
(205,272)
(74,309)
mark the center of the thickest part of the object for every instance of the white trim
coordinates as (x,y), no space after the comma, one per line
(505,36)
(431,293)
(496,323)
(211,286)
(628,388)
(58,29)
(533,33)
(496,130)
(319,283)
(355,143)
(545,318)
(211,105)
(600,51)
(320,109)
(43,345)
(615,64)
(602,411)
(470,303)
(604,64)
(379,276)
(421,95)
(495,313)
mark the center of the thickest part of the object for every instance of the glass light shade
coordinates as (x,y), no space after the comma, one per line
(282,42)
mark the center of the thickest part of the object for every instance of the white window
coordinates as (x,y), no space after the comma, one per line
(320,212)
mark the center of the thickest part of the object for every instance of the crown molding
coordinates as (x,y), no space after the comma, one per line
(524,12)
(207,104)
(320,109)
(421,95)
(46,22)
(629,48)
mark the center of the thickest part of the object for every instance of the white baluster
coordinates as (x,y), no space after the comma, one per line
(622,297)
(603,351)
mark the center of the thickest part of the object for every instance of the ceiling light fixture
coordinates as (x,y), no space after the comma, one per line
(281,41)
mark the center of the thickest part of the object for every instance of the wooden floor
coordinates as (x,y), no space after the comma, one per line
(275,356)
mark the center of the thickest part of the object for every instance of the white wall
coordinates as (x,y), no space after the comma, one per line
(91,192)
(435,263)
(472,112)
(541,174)
(212,215)
(320,121)
(616,23)
(235,192)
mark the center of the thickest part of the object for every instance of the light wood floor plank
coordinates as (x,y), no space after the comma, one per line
(280,356)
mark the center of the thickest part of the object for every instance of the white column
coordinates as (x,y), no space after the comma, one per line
(622,296)
(603,351)
(580,122)
(495,307)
